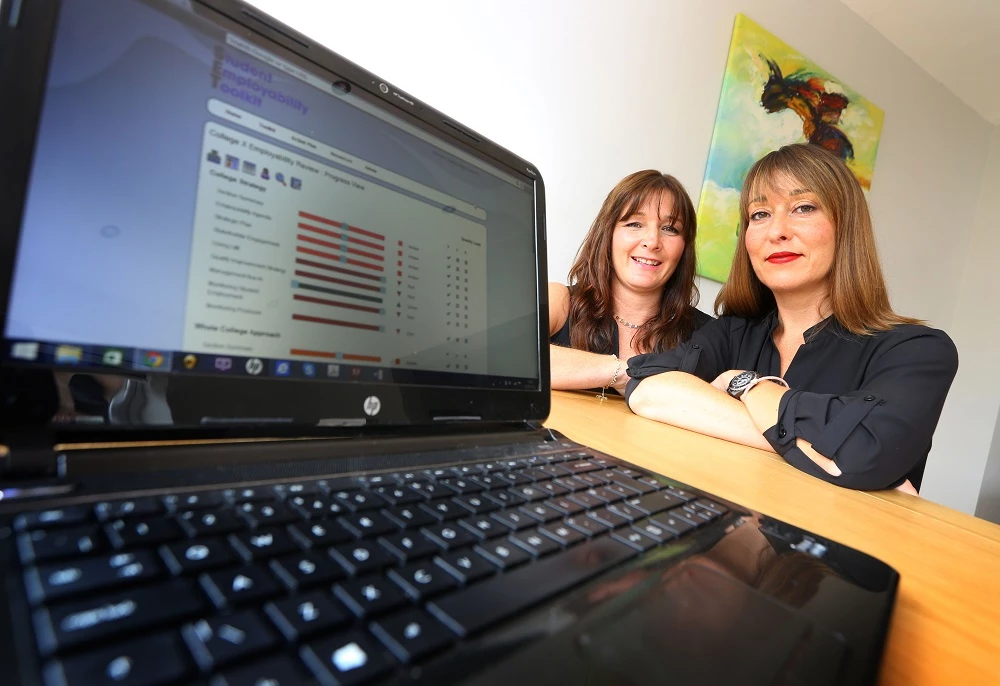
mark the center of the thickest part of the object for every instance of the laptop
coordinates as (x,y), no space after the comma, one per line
(275,372)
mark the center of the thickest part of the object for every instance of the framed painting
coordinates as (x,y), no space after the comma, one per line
(772,95)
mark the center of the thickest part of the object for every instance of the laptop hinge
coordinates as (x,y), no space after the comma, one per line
(33,460)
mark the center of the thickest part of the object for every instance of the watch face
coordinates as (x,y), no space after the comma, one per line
(739,382)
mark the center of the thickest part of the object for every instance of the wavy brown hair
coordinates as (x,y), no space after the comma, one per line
(858,296)
(592,272)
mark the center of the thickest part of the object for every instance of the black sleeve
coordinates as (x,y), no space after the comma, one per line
(878,433)
(704,355)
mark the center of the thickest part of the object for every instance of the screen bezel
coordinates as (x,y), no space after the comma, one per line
(319,405)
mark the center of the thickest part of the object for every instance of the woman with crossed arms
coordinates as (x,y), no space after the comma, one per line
(633,285)
(808,359)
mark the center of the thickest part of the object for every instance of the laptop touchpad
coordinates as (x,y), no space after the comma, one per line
(697,624)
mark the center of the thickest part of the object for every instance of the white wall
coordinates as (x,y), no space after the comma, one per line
(590,91)
(976,330)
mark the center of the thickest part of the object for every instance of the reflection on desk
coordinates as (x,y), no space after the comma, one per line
(946,624)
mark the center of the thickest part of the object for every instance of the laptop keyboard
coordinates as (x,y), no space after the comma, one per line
(329,581)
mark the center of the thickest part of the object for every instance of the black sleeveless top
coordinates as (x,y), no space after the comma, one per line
(562,336)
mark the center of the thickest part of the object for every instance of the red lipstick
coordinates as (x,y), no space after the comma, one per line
(782,257)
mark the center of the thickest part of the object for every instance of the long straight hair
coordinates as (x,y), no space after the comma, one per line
(592,272)
(858,297)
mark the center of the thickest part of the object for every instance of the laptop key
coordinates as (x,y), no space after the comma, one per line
(136,507)
(443,510)
(56,581)
(449,536)
(585,499)
(483,527)
(197,523)
(408,546)
(636,539)
(303,570)
(149,661)
(46,519)
(126,533)
(502,553)
(541,512)
(461,486)
(654,502)
(515,519)
(348,658)
(306,615)
(420,580)
(239,585)
(317,505)
(633,485)
(711,505)
(237,495)
(218,641)
(368,524)
(187,557)
(410,517)
(472,609)
(370,595)
(569,484)
(361,557)
(653,530)
(276,670)
(193,501)
(465,565)
(561,534)
(74,623)
(682,494)
(358,501)
(319,534)
(535,543)
(529,493)
(552,488)
(412,634)
(476,504)
(605,494)
(397,495)
(302,488)
(609,518)
(588,526)
(676,525)
(504,498)
(580,466)
(43,545)
(262,543)
(258,514)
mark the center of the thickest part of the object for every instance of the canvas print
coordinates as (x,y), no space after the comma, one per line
(772,95)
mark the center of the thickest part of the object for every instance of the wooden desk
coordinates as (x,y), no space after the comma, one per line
(946,623)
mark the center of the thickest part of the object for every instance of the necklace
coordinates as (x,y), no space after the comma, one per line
(625,323)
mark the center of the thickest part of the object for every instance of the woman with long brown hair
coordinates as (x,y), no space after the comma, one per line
(808,358)
(632,284)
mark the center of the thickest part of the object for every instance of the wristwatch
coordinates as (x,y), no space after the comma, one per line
(739,383)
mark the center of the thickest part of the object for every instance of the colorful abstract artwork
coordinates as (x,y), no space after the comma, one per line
(772,95)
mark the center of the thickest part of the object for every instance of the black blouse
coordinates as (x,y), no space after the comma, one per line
(562,336)
(870,403)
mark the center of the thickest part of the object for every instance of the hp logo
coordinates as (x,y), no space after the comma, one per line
(372,405)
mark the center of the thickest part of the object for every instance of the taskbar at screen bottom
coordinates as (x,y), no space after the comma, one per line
(98,359)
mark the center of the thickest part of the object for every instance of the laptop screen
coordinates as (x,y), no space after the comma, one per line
(205,204)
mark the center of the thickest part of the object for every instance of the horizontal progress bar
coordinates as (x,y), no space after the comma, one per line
(338,258)
(341,236)
(334,356)
(335,322)
(343,248)
(341,225)
(343,282)
(334,291)
(339,270)
(337,303)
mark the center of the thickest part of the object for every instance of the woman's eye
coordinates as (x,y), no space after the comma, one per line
(634,225)
(672,230)
(758,215)
(805,209)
